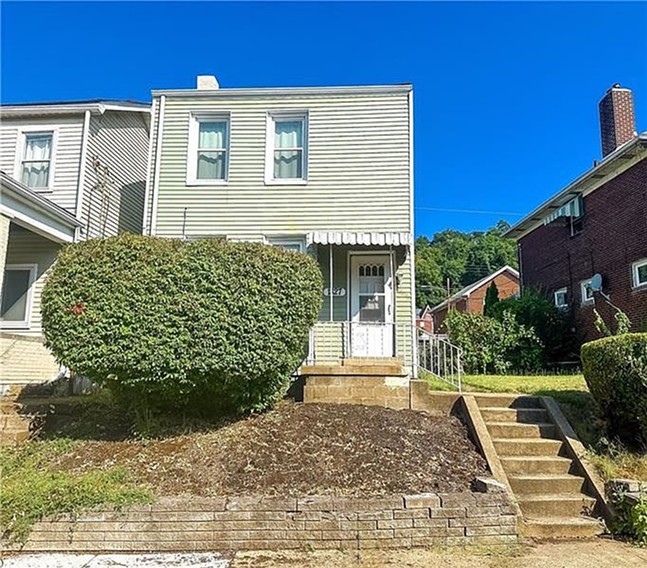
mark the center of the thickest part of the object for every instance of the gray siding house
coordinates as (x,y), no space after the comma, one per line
(69,171)
(322,170)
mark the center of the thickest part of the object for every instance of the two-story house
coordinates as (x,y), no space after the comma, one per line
(69,171)
(322,170)
(596,225)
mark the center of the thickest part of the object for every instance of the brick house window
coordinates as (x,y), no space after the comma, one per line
(587,294)
(561,298)
(639,273)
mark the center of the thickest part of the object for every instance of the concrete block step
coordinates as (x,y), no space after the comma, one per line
(527,447)
(15,421)
(519,430)
(536,464)
(545,483)
(562,527)
(552,505)
(9,437)
(523,415)
(489,400)
(353,370)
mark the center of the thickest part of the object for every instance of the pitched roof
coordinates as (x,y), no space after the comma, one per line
(617,161)
(465,292)
(71,107)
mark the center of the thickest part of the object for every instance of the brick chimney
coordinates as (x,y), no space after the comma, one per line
(617,121)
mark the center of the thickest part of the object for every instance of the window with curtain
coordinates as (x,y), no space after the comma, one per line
(289,147)
(37,158)
(16,295)
(212,150)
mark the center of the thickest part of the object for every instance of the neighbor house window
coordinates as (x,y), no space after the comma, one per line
(587,293)
(208,160)
(639,272)
(36,163)
(561,298)
(17,290)
(287,144)
(287,243)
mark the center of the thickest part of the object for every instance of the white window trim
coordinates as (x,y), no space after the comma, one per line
(269,146)
(26,323)
(21,143)
(287,240)
(555,295)
(195,118)
(634,273)
(583,287)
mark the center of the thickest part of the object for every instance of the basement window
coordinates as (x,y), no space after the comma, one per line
(639,273)
(561,298)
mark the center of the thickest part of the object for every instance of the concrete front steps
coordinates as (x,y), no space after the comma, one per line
(14,427)
(549,490)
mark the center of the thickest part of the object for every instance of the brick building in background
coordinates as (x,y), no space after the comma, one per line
(471,299)
(595,225)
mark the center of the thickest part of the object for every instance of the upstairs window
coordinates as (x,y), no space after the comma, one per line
(587,293)
(639,273)
(287,138)
(35,167)
(17,291)
(208,160)
(561,298)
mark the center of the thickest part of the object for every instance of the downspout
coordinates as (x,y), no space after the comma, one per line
(147,193)
(330,279)
(412,255)
(80,188)
(158,156)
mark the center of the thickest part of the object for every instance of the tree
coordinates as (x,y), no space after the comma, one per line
(461,258)
(491,299)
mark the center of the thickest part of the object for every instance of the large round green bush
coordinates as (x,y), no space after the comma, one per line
(171,321)
(615,369)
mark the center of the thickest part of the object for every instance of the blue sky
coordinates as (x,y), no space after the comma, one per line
(505,93)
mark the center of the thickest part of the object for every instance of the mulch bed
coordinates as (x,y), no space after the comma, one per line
(300,449)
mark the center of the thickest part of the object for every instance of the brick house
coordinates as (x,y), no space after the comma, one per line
(595,225)
(471,299)
(425,319)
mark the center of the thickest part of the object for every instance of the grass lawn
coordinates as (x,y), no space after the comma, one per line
(572,394)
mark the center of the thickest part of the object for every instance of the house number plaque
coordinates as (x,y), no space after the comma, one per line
(335,292)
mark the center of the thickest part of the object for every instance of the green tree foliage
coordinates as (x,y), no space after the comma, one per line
(164,321)
(554,327)
(463,258)
(493,346)
(491,299)
(615,370)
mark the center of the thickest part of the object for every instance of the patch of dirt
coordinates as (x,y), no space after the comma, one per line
(300,449)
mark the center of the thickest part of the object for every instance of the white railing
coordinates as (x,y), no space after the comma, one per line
(441,358)
(332,341)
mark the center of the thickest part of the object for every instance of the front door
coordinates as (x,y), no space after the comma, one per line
(371,306)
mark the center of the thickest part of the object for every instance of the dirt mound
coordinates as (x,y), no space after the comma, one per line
(301,449)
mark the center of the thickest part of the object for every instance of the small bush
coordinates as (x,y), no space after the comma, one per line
(165,322)
(554,327)
(631,518)
(615,370)
(493,346)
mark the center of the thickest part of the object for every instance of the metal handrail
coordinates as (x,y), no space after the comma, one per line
(441,358)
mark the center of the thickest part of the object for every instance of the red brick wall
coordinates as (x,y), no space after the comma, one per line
(614,235)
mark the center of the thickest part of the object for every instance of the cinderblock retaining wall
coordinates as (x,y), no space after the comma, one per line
(265,523)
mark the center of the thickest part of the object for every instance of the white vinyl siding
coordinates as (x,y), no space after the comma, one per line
(357,168)
(115,174)
(66,153)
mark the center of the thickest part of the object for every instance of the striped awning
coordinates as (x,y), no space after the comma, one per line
(354,238)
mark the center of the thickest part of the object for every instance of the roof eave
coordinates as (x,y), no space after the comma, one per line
(275,91)
(62,109)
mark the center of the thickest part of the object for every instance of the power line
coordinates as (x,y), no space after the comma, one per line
(475,211)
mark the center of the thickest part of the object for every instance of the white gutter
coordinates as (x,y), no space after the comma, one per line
(145,223)
(571,190)
(158,156)
(412,246)
(80,189)
(271,91)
